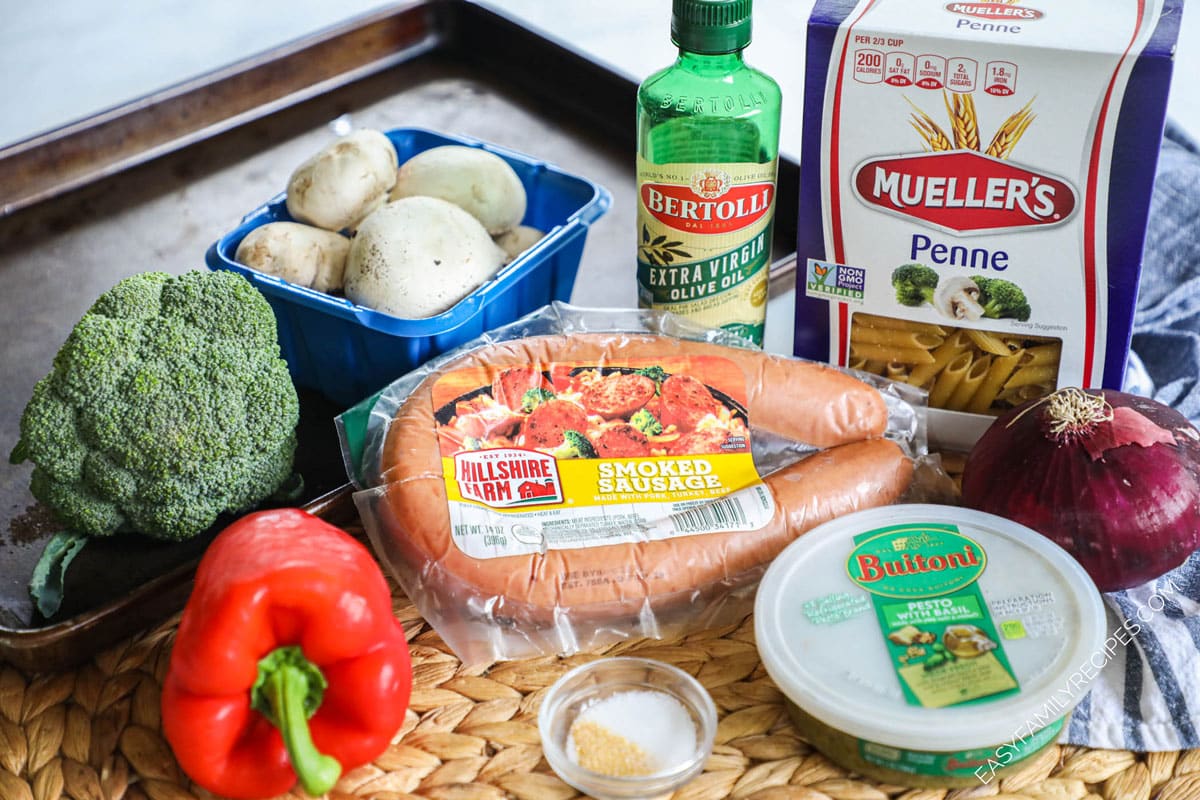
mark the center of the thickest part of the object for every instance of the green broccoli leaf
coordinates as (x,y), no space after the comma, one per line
(49,574)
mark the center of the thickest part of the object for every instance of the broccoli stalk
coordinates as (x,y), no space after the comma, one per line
(645,422)
(1002,299)
(914,284)
(534,398)
(574,445)
(167,405)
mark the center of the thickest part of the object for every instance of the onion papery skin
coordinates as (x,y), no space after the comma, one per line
(1128,516)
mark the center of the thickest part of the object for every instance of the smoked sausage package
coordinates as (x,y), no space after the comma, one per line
(583,476)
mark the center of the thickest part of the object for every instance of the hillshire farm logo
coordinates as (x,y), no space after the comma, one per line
(507,477)
(994,11)
(916,561)
(964,192)
(708,204)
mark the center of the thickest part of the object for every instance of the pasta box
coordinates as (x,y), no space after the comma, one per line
(975,184)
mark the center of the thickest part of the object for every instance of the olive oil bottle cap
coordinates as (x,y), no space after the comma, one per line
(711,26)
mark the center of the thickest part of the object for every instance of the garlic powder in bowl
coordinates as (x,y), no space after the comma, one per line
(632,733)
(627,727)
(929,645)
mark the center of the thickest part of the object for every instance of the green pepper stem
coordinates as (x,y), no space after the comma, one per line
(285,687)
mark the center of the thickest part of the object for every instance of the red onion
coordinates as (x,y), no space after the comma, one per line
(1111,477)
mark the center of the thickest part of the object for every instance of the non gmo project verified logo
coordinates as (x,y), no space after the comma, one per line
(836,281)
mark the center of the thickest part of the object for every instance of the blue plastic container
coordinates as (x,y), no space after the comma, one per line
(348,351)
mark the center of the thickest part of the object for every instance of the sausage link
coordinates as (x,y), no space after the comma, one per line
(801,400)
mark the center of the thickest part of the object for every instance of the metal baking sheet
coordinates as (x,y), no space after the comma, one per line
(151,185)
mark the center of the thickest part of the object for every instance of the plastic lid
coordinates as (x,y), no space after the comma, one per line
(838,666)
(711,26)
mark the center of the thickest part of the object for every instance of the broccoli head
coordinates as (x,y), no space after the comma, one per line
(575,445)
(1002,299)
(167,405)
(914,284)
(535,397)
(645,422)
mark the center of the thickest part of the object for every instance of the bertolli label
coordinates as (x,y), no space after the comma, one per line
(704,242)
(708,204)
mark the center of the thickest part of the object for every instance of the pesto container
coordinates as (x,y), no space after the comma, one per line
(927,645)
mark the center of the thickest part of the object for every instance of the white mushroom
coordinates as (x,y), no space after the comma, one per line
(418,256)
(958,298)
(518,240)
(480,182)
(300,254)
(343,183)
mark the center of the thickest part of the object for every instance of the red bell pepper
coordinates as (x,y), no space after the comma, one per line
(288,662)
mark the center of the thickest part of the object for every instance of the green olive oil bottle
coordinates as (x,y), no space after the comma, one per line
(708,144)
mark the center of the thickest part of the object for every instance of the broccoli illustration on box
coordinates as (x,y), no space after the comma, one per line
(960,297)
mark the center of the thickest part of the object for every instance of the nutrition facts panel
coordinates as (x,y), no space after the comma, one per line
(934,71)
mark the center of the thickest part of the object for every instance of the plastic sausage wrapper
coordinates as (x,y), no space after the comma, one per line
(584,476)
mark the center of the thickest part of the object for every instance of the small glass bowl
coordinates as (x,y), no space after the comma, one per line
(585,685)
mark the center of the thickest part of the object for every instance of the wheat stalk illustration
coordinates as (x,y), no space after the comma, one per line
(964,126)
(930,132)
(1011,132)
(963,121)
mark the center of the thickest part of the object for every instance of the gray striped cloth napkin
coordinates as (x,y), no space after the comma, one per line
(1147,696)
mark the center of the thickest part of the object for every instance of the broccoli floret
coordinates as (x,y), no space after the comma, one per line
(982,283)
(645,422)
(575,445)
(655,373)
(1002,299)
(167,405)
(914,284)
(534,398)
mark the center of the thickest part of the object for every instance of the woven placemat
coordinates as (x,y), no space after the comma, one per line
(471,734)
